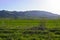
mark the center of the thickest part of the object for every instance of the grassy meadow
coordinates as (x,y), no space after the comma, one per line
(28,29)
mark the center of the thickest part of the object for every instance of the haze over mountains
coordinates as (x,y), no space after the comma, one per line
(28,14)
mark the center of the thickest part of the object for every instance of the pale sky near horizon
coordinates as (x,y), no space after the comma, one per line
(25,5)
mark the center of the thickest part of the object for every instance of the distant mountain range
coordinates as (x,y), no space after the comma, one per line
(28,14)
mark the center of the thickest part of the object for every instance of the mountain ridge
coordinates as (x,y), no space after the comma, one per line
(34,14)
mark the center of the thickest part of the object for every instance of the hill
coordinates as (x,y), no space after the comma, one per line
(28,14)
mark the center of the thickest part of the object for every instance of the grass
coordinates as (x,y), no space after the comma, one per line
(18,23)
(16,29)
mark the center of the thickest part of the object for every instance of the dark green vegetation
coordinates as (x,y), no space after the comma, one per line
(19,29)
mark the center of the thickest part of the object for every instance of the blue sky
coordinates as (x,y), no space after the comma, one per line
(20,4)
(24,5)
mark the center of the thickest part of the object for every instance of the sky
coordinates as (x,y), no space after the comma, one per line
(26,5)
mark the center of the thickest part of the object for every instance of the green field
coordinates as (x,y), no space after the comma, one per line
(17,23)
(23,29)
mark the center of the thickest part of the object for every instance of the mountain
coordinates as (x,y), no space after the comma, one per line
(28,14)
(41,14)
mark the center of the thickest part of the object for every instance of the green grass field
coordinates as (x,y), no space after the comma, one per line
(17,29)
(18,23)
